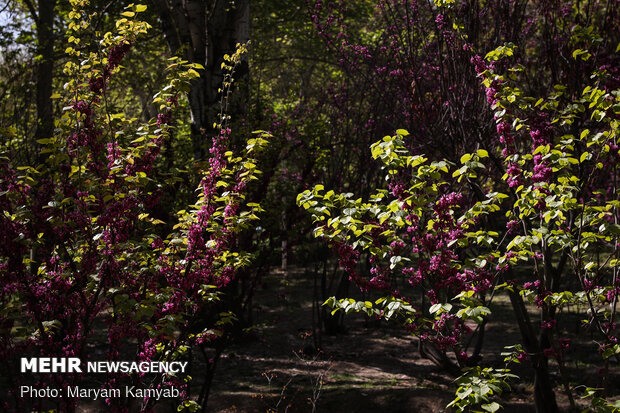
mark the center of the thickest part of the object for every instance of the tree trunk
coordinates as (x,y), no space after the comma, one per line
(44,69)
(544,396)
(203,32)
(439,357)
(334,324)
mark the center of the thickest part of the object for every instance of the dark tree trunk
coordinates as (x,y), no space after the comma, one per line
(438,357)
(544,396)
(334,323)
(203,32)
(44,69)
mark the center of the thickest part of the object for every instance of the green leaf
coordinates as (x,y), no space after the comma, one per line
(462,394)
(491,407)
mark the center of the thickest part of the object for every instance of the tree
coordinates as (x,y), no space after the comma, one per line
(204,32)
(86,249)
(43,16)
(451,44)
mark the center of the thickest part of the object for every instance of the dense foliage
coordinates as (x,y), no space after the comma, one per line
(136,224)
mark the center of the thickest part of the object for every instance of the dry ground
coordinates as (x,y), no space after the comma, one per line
(373,367)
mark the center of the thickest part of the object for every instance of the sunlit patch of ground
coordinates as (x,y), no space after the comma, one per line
(373,367)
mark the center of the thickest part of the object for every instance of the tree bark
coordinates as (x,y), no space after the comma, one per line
(44,20)
(203,32)
(544,396)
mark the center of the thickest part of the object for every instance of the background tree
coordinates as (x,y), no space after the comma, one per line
(204,32)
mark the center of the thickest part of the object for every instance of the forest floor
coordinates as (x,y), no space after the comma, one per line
(372,367)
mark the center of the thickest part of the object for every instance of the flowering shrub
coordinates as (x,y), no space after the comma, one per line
(562,155)
(81,247)
(408,64)
(415,231)
(560,152)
